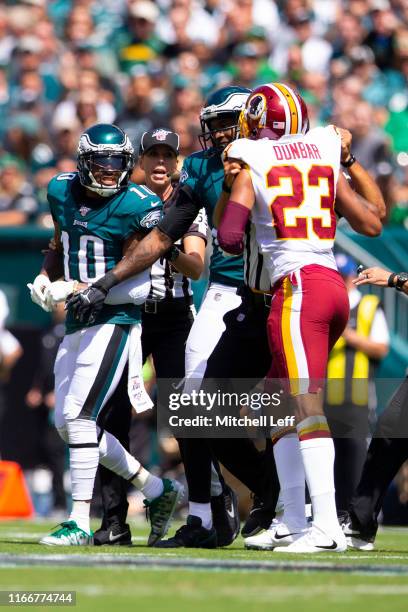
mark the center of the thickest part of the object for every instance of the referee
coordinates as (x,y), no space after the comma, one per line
(167,316)
(388,449)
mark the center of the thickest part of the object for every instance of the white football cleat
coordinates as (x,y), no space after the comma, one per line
(315,540)
(68,534)
(277,536)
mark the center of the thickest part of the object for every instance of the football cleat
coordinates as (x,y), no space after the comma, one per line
(114,535)
(191,535)
(68,534)
(356,538)
(161,509)
(225,515)
(260,517)
(315,540)
(278,535)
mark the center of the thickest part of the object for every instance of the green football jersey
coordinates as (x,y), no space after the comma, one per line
(93,232)
(203,173)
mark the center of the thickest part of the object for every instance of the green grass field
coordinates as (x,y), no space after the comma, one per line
(117,578)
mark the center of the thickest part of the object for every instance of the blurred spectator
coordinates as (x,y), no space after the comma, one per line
(248,67)
(187,22)
(139,114)
(140,43)
(6,39)
(17,201)
(370,144)
(381,36)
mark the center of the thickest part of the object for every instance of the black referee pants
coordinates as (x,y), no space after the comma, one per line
(386,454)
(242,352)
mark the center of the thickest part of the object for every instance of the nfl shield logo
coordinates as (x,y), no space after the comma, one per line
(84,210)
(160,134)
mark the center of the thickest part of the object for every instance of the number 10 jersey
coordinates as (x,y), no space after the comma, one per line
(93,232)
(294,180)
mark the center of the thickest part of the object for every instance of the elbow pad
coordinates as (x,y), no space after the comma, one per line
(231,230)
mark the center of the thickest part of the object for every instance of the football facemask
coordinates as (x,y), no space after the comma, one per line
(105,159)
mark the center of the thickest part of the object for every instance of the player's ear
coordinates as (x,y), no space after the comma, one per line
(141,161)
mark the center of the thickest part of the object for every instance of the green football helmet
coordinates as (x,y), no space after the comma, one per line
(105,159)
(227,102)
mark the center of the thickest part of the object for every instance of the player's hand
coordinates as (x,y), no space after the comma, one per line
(86,305)
(373,276)
(58,291)
(346,138)
(38,289)
(232,167)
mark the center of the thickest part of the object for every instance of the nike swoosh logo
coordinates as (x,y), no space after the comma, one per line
(153,204)
(280,537)
(231,512)
(113,538)
(331,547)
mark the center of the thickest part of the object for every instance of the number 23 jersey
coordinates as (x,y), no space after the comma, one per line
(294,179)
(93,232)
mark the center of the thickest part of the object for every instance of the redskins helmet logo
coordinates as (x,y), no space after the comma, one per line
(256,107)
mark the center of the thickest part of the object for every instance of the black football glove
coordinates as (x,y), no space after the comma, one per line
(86,305)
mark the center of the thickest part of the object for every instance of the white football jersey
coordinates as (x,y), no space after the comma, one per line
(294,180)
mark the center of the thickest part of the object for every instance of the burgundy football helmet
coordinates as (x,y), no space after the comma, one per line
(272,111)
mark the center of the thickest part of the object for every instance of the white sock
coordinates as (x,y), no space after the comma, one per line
(83,459)
(318,459)
(203,511)
(216,486)
(291,475)
(150,485)
(116,458)
(80,514)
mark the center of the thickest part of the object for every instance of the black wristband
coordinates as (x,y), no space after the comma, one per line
(225,187)
(349,162)
(402,278)
(172,254)
(391,279)
(107,281)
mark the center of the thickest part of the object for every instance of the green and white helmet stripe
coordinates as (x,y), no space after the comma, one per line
(226,100)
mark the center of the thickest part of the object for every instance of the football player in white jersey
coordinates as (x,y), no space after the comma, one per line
(289,187)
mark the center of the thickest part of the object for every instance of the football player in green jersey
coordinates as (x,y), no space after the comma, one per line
(201,183)
(96,212)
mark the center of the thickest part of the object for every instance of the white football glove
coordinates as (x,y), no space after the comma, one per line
(37,291)
(58,291)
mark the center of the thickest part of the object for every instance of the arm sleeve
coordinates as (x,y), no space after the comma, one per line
(181,215)
(231,230)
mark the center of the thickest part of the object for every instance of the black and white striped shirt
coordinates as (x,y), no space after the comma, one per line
(166,281)
(256,275)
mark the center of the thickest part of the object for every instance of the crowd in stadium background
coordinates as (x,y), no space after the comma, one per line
(67,64)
